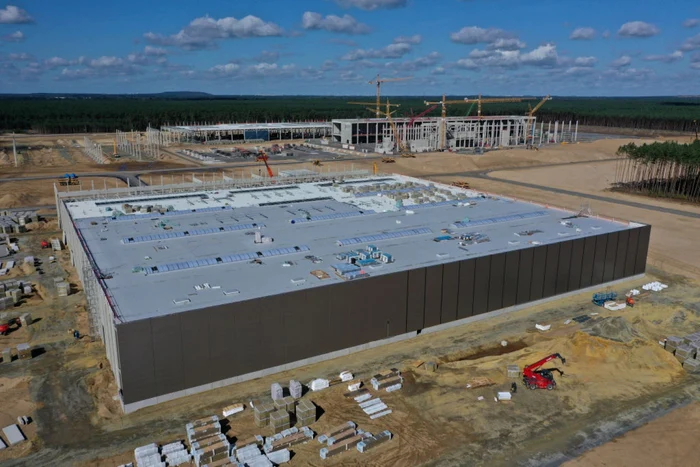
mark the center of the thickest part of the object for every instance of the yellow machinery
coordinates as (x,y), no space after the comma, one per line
(443,124)
(378,81)
(531,113)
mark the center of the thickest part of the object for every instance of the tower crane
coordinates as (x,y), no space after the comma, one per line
(378,81)
(403,149)
(493,100)
(443,125)
(422,114)
(531,113)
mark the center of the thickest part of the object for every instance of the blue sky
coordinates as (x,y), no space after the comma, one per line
(334,47)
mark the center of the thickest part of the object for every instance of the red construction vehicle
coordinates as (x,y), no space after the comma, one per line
(45,244)
(262,156)
(5,328)
(534,378)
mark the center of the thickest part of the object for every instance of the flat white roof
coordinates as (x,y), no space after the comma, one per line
(202,251)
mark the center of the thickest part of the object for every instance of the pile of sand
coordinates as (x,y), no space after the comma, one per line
(614,328)
(102,387)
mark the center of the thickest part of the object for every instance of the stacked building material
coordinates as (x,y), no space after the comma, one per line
(13,434)
(306,412)
(251,456)
(288,438)
(257,439)
(148,456)
(384,381)
(295,389)
(175,453)
(211,453)
(685,352)
(280,456)
(14,294)
(26,319)
(342,446)
(335,430)
(206,442)
(6,303)
(262,411)
(289,403)
(279,420)
(373,441)
(232,409)
(63,289)
(276,391)
(7,355)
(24,351)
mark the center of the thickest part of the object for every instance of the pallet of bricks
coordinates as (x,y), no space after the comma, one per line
(687,351)
(149,456)
(207,443)
(391,381)
(346,436)
(275,449)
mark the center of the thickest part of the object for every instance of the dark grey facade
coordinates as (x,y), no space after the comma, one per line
(170,354)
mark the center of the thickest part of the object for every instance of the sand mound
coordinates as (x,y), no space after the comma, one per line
(102,387)
(615,328)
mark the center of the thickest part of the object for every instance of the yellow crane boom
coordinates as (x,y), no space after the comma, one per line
(531,113)
(493,100)
(403,149)
(378,81)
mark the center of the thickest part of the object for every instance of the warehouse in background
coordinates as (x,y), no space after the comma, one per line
(193,288)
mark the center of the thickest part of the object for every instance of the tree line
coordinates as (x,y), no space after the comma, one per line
(666,169)
(109,113)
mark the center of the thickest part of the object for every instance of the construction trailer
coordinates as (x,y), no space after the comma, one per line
(186,300)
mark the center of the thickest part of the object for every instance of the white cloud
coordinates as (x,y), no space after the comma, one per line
(629,73)
(225,70)
(259,70)
(438,71)
(691,43)
(73,74)
(390,51)
(477,35)
(583,34)
(415,39)
(623,61)
(332,23)
(579,71)
(638,29)
(585,61)
(691,22)
(56,62)
(351,75)
(419,63)
(506,44)
(670,58)
(542,56)
(106,62)
(203,32)
(17,36)
(371,5)
(154,51)
(606,34)
(20,57)
(14,15)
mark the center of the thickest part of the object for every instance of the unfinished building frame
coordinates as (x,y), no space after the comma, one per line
(275,306)
(245,132)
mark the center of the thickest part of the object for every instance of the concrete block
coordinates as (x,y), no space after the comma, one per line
(24,351)
(7,355)
(685,351)
(295,389)
(513,371)
(691,365)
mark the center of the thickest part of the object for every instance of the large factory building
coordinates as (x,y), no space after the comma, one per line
(193,288)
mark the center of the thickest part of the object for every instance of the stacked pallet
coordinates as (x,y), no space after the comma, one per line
(373,441)
(288,438)
(262,411)
(306,412)
(175,453)
(389,382)
(343,442)
(285,403)
(335,430)
(279,420)
(148,456)
(687,351)
(207,442)
(257,439)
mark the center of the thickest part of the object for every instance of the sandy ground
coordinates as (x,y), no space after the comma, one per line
(40,192)
(668,441)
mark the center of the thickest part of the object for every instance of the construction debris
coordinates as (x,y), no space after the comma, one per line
(479,382)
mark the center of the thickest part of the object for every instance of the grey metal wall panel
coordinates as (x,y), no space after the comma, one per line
(433,295)
(465,302)
(194,333)
(272,331)
(136,358)
(551,270)
(631,256)
(524,275)
(244,345)
(167,354)
(510,279)
(344,313)
(563,268)
(498,268)
(610,256)
(539,260)
(416,299)
(640,265)
(576,263)
(389,302)
(601,244)
(305,320)
(482,273)
(222,328)
(450,292)
(588,262)
(622,241)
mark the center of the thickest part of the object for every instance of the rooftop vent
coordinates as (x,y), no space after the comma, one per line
(181,301)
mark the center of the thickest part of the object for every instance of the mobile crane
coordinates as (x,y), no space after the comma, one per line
(262,156)
(534,378)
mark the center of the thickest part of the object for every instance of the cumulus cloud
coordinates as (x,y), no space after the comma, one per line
(17,36)
(638,29)
(635,74)
(225,70)
(542,56)
(691,22)
(691,43)
(623,61)
(14,15)
(20,57)
(477,35)
(390,51)
(154,51)
(438,71)
(506,44)
(695,61)
(256,71)
(332,23)
(419,63)
(670,58)
(202,33)
(371,5)
(415,39)
(56,62)
(583,34)
(585,61)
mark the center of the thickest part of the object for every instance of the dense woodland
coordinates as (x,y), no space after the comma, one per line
(666,169)
(96,113)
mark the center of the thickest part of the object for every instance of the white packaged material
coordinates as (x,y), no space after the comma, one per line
(370,403)
(380,414)
(363,398)
(2,444)
(147,449)
(232,409)
(655,286)
(355,386)
(279,457)
(543,327)
(13,434)
(375,408)
(346,376)
(318,384)
(504,396)
(395,387)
